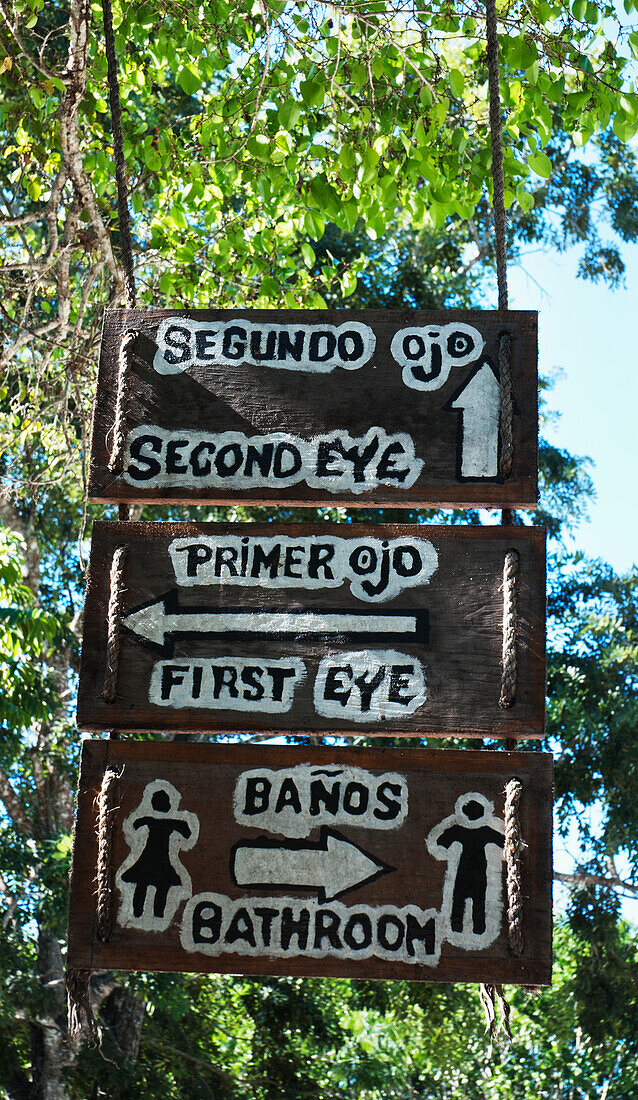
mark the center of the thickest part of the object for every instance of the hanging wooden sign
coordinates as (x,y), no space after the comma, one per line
(308,628)
(347,862)
(360,408)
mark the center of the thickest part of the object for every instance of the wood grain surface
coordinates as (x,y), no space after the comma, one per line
(209,397)
(397,925)
(213,653)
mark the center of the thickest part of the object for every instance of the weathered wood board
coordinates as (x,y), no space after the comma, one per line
(345,862)
(310,628)
(359,408)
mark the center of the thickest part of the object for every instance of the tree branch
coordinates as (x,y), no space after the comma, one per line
(31,58)
(69,137)
(13,805)
(586,878)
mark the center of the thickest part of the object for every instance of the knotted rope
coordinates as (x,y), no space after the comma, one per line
(126,239)
(496,139)
(492,997)
(513,850)
(510,622)
(104,872)
(114,619)
(119,420)
(120,163)
(500,235)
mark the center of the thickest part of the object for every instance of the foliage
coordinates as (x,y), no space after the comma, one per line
(593,708)
(304,154)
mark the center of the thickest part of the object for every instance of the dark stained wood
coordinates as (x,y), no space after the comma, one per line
(258,399)
(457,644)
(200,779)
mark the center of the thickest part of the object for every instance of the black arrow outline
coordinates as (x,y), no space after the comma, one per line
(172,607)
(485,360)
(321,845)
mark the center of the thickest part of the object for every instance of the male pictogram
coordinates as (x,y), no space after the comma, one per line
(152,880)
(471,840)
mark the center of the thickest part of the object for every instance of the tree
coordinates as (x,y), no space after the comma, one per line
(298,155)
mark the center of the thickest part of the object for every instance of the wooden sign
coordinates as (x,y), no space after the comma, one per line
(347,862)
(360,408)
(308,628)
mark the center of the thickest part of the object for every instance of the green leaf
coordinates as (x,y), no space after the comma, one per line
(348,283)
(312,93)
(259,146)
(457,83)
(308,254)
(532,73)
(541,164)
(37,97)
(189,80)
(289,114)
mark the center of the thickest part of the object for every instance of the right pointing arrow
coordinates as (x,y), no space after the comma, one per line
(331,867)
(480,402)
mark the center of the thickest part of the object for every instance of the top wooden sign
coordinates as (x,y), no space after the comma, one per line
(357,408)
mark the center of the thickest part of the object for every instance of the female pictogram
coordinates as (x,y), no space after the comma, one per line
(471,840)
(152,880)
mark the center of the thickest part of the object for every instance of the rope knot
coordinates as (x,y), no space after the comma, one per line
(513,850)
(113,622)
(119,419)
(104,871)
(509,659)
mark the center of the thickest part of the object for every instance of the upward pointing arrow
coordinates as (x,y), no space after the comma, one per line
(480,402)
(331,867)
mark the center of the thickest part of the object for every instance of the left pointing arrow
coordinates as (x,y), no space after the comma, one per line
(162,620)
(331,867)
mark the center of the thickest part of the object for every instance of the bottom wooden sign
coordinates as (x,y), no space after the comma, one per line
(384,863)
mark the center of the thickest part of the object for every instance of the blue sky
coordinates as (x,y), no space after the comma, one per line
(587,342)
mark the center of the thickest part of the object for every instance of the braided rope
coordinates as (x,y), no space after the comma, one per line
(104,872)
(114,617)
(506,418)
(513,850)
(120,163)
(496,137)
(119,420)
(510,617)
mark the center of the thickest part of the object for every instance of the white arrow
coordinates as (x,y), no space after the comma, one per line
(332,866)
(480,401)
(164,617)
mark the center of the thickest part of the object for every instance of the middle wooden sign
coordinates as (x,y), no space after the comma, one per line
(312,628)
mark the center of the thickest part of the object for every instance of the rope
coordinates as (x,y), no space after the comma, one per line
(496,138)
(120,163)
(500,234)
(104,875)
(114,617)
(493,999)
(510,616)
(79,1012)
(513,849)
(506,415)
(119,420)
